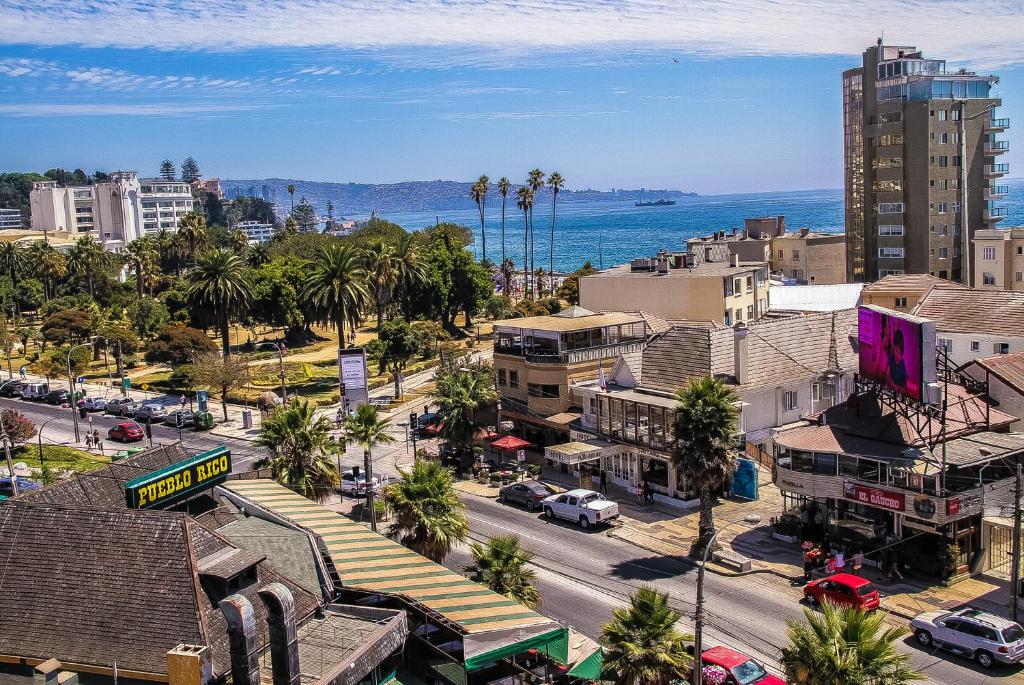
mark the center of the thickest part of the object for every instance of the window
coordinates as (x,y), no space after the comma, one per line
(890,252)
(942,138)
(737,286)
(796,255)
(942,114)
(782,254)
(739,315)
(750,312)
(943,161)
(988,278)
(542,390)
(890,229)
(789,400)
(988,253)
(1020,249)
(728,317)
(943,254)
(901,302)
(513,379)
(1001,348)
(750,283)
(1018,276)
(975,346)
(946,344)
(501,376)
(890,207)
(944,229)
(941,184)
(956,160)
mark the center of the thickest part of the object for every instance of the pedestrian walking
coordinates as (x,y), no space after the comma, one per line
(88,441)
(858,561)
(648,493)
(604,482)
(181,401)
(640,494)
(339,418)
(811,555)
(97,441)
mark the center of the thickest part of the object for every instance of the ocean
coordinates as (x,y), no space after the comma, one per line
(614,232)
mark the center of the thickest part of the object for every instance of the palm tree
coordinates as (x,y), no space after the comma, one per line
(524,202)
(49,264)
(540,274)
(504,185)
(461,393)
(412,271)
(220,280)
(303,451)
(140,256)
(845,646)
(171,248)
(555,182)
(478,192)
(85,258)
(641,643)
(429,518)
(368,429)
(291,192)
(501,565)
(508,270)
(535,179)
(13,260)
(706,420)
(336,288)
(239,241)
(257,255)
(192,228)
(383,269)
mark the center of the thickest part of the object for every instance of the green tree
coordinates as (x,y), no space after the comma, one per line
(336,289)
(462,393)
(366,427)
(8,342)
(13,262)
(276,293)
(535,179)
(147,315)
(167,170)
(642,645)
(503,566)
(16,425)
(570,288)
(499,307)
(141,255)
(429,518)
(193,230)
(177,344)
(303,453)
(556,183)
(845,646)
(49,265)
(85,259)
(706,421)
(190,170)
(305,216)
(504,185)
(291,194)
(399,344)
(257,255)
(330,215)
(524,202)
(478,193)
(239,242)
(412,271)
(220,281)
(120,339)
(383,270)
(68,326)
(221,373)
(29,294)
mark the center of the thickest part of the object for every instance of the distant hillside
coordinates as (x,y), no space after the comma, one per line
(409,196)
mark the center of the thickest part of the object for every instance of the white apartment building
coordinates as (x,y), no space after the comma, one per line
(256,231)
(10,218)
(114,212)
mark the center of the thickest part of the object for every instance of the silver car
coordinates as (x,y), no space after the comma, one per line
(154,412)
(972,633)
(121,406)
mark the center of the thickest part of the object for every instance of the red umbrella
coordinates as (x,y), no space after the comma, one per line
(510,442)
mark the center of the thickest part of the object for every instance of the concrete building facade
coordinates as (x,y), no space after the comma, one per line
(810,258)
(10,218)
(999,258)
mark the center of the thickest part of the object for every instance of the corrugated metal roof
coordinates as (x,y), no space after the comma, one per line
(814,298)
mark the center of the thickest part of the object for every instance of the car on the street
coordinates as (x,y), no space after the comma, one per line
(529,493)
(121,406)
(844,589)
(187,418)
(57,397)
(741,669)
(426,419)
(151,411)
(126,431)
(356,486)
(585,507)
(12,389)
(93,403)
(971,633)
(24,485)
(34,392)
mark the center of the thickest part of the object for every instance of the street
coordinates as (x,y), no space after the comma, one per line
(583,575)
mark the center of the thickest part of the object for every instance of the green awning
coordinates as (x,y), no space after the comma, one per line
(554,643)
(590,668)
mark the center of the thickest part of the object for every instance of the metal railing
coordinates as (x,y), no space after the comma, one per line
(572,356)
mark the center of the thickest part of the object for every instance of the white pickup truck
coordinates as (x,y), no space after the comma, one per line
(586,507)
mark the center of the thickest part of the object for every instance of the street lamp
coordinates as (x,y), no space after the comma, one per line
(698,618)
(71,385)
(405,425)
(39,434)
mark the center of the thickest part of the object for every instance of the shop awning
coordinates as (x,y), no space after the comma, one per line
(573,453)
(585,659)
(509,443)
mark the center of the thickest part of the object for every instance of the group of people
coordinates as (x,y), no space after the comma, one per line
(93,439)
(835,560)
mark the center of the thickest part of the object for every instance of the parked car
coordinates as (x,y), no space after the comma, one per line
(24,485)
(12,389)
(424,420)
(355,486)
(121,406)
(187,418)
(57,397)
(529,493)
(986,638)
(844,589)
(266,346)
(93,403)
(586,507)
(741,668)
(126,431)
(154,412)
(34,392)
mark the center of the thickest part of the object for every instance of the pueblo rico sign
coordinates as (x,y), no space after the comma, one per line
(875,497)
(176,482)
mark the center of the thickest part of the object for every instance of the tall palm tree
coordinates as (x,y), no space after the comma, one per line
(555,182)
(535,179)
(478,192)
(85,258)
(302,450)
(508,270)
(49,264)
(412,271)
(429,517)
(336,289)
(642,645)
(368,429)
(706,421)
(461,394)
(291,192)
(845,646)
(504,185)
(383,270)
(13,261)
(220,280)
(257,255)
(192,228)
(540,274)
(502,565)
(239,241)
(140,256)
(524,202)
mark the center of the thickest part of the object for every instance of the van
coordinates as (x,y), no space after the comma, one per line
(34,392)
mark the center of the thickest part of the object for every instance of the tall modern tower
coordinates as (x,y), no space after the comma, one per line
(921,158)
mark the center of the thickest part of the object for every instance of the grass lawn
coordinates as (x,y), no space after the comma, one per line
(59,458)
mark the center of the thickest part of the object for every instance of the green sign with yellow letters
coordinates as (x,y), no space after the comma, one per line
(176,482)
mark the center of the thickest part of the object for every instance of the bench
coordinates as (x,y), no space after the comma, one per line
(732,560)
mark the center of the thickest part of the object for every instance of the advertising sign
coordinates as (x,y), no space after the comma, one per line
(176,482)
(203,398)
(896,350)
(875,497)
(352,363)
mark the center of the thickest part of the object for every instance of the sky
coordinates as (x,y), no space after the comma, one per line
(711,96)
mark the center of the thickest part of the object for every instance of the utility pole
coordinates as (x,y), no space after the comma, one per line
(1015,572)
(368,467)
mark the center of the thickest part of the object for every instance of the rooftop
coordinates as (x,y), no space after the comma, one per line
(576,319)
(1009,368)
(700,270)
(965,310)
(814,298)
(901,284)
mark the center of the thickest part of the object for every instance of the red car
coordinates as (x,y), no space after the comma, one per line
(126,432)
(741,668)
(843,589)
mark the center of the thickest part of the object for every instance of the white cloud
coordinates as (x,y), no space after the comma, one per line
(17,67)
(471,31)
(33,109)
(484,116)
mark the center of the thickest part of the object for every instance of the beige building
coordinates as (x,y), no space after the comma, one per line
(537,358)
(682,287)
(808,257)
(901,293)
(999,258)
(971,323)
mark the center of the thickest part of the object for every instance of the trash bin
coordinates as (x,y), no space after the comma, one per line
(204,421)
(247,419)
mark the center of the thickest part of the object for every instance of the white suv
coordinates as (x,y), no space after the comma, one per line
(586,507)
(974,634)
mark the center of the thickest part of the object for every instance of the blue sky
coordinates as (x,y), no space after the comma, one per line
(716,97)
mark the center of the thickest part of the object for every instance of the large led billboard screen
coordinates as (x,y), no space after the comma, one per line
(896,350)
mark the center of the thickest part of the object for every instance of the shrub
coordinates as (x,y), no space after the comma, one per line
(177,344)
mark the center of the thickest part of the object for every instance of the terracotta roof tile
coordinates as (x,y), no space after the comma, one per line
(1009,368)
(962,310)
(902,283)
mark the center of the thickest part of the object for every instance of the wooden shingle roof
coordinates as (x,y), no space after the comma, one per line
(962,310)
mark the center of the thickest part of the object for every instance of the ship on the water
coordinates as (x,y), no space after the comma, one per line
(655,203)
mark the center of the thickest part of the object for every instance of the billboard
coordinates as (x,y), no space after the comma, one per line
(176,482)
(896,350)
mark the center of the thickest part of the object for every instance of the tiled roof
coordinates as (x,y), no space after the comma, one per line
(1009,368)
(288,551)
(962,310)
(655,323)
(677,356)
(565,324)
(899,284)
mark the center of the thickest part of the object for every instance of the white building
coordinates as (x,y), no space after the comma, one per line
(10,218)
(256,231)
(971,324)
(114,212)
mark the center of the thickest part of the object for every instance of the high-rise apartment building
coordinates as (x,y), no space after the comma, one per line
(921,147)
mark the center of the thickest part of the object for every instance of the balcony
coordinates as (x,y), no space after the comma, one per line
(574,356)
(997,147)
(996,125)
(995,192)
(992,214)
(994,170)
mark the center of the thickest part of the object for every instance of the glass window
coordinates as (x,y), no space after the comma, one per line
(501,376)
(825,463)
(513,379)
(803,462)
(847,466)
(643,425)
(868,470)
(657,472)
(988,253)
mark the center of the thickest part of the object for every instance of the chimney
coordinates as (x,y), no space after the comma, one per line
(245,657)
(734,259)
(663,266)
(46,672)
(284,643)
(804,231)
(189,665)
(740,353)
